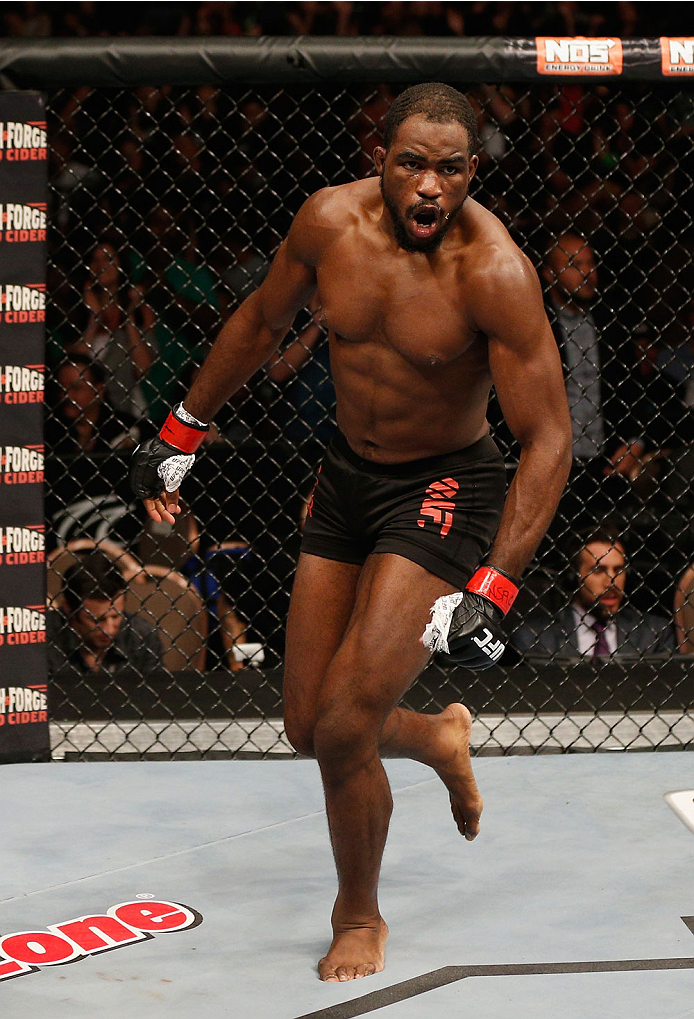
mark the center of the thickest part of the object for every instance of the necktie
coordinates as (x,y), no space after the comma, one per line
(600,648)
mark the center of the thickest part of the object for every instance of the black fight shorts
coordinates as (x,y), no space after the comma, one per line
(441,512)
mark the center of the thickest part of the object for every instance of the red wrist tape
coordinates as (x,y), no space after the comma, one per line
(182,436)
(495,586)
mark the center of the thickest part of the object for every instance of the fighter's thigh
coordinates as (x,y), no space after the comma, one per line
(321,605)
(381,654)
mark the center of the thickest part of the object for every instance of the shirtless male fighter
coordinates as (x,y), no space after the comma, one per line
(428,303)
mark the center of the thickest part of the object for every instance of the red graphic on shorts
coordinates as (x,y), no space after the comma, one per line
(309,504)
(438,506)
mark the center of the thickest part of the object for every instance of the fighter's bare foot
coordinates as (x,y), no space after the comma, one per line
(355,952)
(456,770)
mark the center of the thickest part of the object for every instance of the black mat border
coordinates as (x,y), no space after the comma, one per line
(451,974)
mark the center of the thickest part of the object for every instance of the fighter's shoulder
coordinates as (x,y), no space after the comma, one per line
(497,267)
(333,207)
(327,213)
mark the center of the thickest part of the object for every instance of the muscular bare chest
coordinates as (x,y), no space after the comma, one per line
(416,310)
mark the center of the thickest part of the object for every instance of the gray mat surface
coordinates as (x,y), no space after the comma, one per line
(569,904)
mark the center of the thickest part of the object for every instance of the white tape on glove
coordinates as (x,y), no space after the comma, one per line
(435,636)
(173,470)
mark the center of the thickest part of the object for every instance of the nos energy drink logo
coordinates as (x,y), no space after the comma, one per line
(23,705)
(23,303)
(22,383)
(22,624)
(21,465)
(22,142)
(22,223)
(577,55)
(677,55)
(20,546)
(73,940)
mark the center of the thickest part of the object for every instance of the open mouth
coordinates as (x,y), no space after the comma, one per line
(425,221)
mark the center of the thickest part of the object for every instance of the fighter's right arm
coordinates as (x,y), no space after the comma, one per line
(256,329)
(244,344)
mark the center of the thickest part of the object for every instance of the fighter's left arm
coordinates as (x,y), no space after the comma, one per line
(527,373)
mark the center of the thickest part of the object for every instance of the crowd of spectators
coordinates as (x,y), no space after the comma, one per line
(167,205)
(341,17)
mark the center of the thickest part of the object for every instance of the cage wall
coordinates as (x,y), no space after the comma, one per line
(168,202)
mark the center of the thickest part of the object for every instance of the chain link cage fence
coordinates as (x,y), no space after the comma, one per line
(167,203)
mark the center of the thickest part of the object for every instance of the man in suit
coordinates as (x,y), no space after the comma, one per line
(596,624)
(591,342)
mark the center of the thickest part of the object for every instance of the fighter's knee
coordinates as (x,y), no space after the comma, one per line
(299,732)
(300,736)
(344,734)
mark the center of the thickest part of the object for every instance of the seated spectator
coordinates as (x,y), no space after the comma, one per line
(656,415)
(250,599)
(164,19)
(89,446)
(119,333)
(233,628)
(84,419)
(78,19)
(677,362)
(93,632)
(182,294)
(318,17)
(511,159)
(217,19)
(303,368)
(27,20)
(596,624)
(664,516)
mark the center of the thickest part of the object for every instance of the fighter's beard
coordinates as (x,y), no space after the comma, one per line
(403,238)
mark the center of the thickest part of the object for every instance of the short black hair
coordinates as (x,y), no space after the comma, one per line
(94,575)
(435,101)
(605,534)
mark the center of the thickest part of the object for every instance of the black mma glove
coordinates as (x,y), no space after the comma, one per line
(472,635)
(164,462)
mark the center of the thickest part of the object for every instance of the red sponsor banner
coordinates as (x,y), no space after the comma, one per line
(23,141)
(22,546)
(22,383)
(128,923)
(22,624)
(21,465)
(677,55)
(24,733)
(22,303)
(22,222)
(572,55)
(23,705)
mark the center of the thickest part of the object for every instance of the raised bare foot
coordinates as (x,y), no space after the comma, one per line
(355,952)
(456,772)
